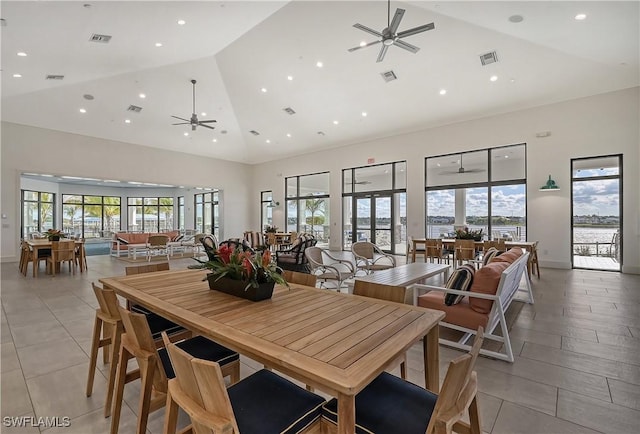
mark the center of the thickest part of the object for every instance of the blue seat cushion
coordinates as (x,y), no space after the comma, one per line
(267,403)
(388,405)
(201,348)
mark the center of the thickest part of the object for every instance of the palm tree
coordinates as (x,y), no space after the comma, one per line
(314,206)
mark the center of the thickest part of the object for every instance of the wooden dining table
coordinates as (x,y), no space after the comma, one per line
(44,243)
(337,343)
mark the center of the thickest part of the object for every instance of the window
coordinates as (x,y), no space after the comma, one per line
(375,206)
(181,213)
(90,216)
(307,205)
(207,210)
(37,212)
(483,189)
(150,214)
(266,208)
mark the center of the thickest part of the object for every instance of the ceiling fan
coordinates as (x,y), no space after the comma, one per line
(194,122)
(461,169)
(390,35)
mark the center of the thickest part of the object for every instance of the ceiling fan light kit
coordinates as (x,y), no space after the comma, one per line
(390,35)
(194,122)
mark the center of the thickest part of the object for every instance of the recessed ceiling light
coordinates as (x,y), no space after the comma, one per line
(438,164)
(319,64)
(83,110)
(264,89)
(214,140)
(288,134)
(443,91)
(506,156)
(580,17)
(494,78)
(512,80)
(127,121)
(158,44)
(185,134)
(203,113)
(289,77)
(363,43)
(22,54)
(364,114)
(516,18)
(268,141)
(181,22)
(142,95)
(336,122)
(17,75)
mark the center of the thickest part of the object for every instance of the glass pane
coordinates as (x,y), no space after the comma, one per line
(508,206)
(508,163)
(383,223)
(292,216)
(92,221)
(457,169)
(199,224)
(401,175)
(477,209)
(93,199)
(314,185)
(363,219)
(347,185)
(46,197)
(373,178)
(441,213)
(72,218)
(347,215)
(208,218)
(216,219)
(292,186)
(111,215)
(166,215)
(46,216)
(134,200)
(71,198)
(135,218)
(266,196)
(29,195)
(150,200)
(592,167)
(207,197)
(199,198)
(400,222)
(30,218)
(316,220)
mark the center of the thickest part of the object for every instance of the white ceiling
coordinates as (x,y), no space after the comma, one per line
(235,48)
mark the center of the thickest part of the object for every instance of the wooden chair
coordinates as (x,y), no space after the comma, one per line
(435,250)
(465,250)
(370,258)
(264,402)
(81,257)
(498,244)
(396,294)
(108,324)
(155,367)
(414,409)
(62,251)
(299,278)
(26,257)
(420,250)
(534,261)
(146,268)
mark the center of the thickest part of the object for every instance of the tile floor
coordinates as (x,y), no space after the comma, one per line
(577,368)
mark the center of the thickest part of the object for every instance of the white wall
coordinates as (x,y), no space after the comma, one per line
(37,150)
(598,125)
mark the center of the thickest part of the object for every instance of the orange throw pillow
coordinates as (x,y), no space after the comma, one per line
(486,281)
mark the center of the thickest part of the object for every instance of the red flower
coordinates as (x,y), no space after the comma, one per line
(248,267)
(224,252)
(266,258)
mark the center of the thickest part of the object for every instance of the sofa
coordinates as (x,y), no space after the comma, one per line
(121,241)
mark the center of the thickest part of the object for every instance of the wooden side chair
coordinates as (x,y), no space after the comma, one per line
(419,249)
(465,250)
(264,402)
(26,257)
(81,257)
(534,261)
(390,404)
(296,277)
(62,251)
(396,294)
(155,367)
(108,324)
(498,244)
(435,250)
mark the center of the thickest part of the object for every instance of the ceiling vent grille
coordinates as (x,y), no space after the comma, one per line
(488,58)
(254,132)
(289,110)
(54,77)
(389,76)
(103,39)
(134,108)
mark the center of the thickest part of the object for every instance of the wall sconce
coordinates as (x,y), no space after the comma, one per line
(550,185)
(273,204)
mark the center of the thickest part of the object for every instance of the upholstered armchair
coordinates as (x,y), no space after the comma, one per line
(294,258)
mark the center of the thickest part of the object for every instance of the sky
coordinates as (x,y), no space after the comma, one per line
(507,201)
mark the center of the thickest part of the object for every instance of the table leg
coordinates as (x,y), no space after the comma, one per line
(413,253)
(346,414)
(430,347)
(34,261)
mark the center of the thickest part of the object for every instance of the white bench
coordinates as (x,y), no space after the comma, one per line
(508,287)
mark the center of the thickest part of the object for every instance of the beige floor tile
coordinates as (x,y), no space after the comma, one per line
(29,317)
(515,419)
(625,394)
(557,329)
(611,352)
(13,304)
(14,394)
(51,356)
(596,414)
(96,423)
(623,341)
(21,424)
(591,324)
(536,337)
(38,333)
(9,360)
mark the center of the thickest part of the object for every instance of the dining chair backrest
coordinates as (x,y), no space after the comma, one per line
(108,302)
(434,248)
(465,250)
(296,277)
(498,244)
(363,249)
(379,291)
(147,268)
(158,240)
(63,250)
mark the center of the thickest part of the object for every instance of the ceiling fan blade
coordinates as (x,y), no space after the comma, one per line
(182,119)
(206,126)
(363,46)
(383,51)
(207,121)
(406,46)
(395,23)
(182,123)
(416,30)
(367,29)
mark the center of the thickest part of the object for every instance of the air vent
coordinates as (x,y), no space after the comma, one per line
(134,108)
(488,58)
(103,39)
(254,132)
(289,110)
(54,77)
(389,76)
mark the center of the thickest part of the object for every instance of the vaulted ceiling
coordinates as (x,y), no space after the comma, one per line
(253,59)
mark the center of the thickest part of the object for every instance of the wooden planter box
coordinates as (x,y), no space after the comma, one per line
(237,287)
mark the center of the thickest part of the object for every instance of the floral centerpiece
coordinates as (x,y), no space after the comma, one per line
(271,229)
(244,274)
(53,234)
(469,234)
